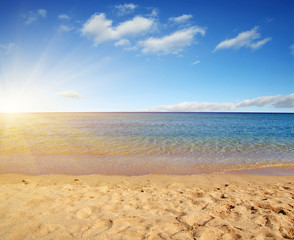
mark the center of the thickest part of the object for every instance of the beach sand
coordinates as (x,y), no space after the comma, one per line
(217,206)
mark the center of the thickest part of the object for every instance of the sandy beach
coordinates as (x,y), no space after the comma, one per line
(217,206)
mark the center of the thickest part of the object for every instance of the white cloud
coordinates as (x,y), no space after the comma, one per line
(34,16)
(285,102)
(292,49)
(122,43)
(153,13)
(101,29)
(173,43)
(181,19)
(196,62)
(125,8)
(70,94)
(64,28)
(278,101)
(244,39)
(133,27)
(258,44)
(63,17)
(193,107)
(42,13)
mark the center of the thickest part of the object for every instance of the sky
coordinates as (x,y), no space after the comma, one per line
(159,56)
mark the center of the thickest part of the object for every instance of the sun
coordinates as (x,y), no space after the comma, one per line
(17,103)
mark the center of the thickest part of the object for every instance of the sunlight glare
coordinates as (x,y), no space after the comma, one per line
(10,103)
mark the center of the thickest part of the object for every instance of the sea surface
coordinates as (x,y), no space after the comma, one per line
(144,143)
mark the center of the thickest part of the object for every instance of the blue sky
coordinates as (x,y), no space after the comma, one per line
(147,56)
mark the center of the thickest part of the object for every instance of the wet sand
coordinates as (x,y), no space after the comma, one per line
(215,206)
(267,171)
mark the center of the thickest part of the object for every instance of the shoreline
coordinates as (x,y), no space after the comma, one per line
(274,169)
(264,171)
(15,178)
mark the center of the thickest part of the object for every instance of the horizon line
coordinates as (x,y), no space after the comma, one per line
(142,112)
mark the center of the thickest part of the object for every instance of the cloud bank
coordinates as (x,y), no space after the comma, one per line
(244,39)
(70,94)
(278,101)
(193,107)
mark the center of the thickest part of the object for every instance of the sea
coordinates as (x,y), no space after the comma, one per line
(144,143)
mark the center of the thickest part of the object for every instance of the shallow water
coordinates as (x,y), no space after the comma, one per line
(143,143)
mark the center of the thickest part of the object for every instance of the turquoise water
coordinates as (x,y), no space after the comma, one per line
(143,143)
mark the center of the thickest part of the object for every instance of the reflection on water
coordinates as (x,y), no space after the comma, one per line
(142,140)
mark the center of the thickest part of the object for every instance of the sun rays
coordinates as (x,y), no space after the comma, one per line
(32,86)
